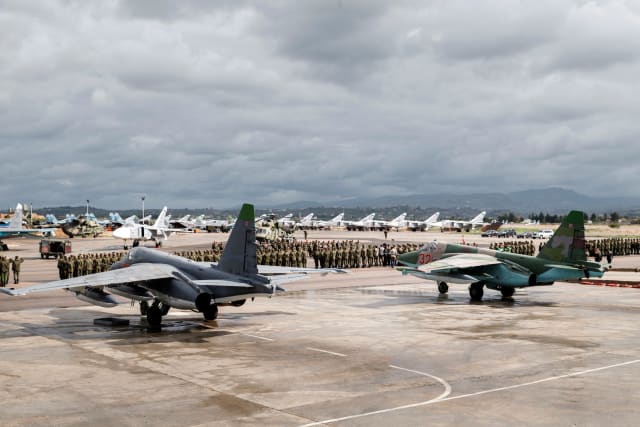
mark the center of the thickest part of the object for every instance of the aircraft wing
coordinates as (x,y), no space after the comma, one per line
(274,269)
(454,268)
(460,262)
(134,274)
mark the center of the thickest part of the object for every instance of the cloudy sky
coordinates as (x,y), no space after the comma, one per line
(209,104)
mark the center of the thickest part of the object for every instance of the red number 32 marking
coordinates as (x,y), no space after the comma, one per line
(424,258)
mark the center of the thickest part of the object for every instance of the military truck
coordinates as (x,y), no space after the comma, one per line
(54,248)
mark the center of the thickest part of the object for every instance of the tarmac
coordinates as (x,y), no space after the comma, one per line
(369,348)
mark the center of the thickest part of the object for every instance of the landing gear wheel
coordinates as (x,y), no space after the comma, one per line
(443,288)
(476,291)
(211,312)
(144,307)
(154,316)
(164,309)
(507,292)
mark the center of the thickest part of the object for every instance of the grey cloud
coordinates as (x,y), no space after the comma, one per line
(211,104)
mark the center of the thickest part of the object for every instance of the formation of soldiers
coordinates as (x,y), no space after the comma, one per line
(353,254)
(618,246)
(212,255)
(325,254)
(8,265)
(521,247)
(83,264)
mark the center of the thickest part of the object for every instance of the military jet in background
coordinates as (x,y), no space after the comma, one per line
(460,225)
(305,222)
(138,232)
(165,281)
(562,258)
(363,224)
(15,229)
(423,225)
(397,223)
(333,222)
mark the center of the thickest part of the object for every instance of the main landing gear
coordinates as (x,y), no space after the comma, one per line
(154,312)
(204,305)
(476,291)
(507,292)
(443,288)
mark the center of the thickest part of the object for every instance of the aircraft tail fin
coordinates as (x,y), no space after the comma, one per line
(567,243)
(16,219)
(432,218)
(368,217)
(399,218)
(338,218)
(161,219)
(239,255)
(479,218)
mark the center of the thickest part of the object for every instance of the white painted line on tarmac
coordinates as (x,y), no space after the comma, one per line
(447,386)
(326,351)
(462,396)
(260,338)
(544,380)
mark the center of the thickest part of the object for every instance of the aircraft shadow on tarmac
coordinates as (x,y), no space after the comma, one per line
(405,297)
(70,324)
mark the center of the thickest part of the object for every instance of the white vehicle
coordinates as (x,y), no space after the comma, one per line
(543,234)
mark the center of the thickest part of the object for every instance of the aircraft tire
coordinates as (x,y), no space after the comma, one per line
(211,313)
(475,291)
(164,309)
(443,288)
(507,292)
(144,307)
(154,316)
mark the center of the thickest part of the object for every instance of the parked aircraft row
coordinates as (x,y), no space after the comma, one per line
(161,281)
(14,227)
(165,281)
(369,222)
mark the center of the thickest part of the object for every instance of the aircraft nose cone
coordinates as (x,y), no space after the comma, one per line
(120,233)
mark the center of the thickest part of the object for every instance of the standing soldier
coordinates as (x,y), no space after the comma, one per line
(4,271)
(15,266)
(61,268)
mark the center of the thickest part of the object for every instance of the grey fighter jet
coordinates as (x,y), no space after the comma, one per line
(164,281)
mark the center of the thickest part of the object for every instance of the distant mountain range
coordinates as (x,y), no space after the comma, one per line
(549,200)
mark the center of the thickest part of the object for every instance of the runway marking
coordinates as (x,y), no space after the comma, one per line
(447,386)
(326,351)
(260,338)
(462,396)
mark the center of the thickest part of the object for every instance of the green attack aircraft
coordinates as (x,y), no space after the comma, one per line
(563,257)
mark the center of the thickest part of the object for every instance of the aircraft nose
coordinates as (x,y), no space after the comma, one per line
(119,233)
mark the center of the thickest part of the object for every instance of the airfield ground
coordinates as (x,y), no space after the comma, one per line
(369,348)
